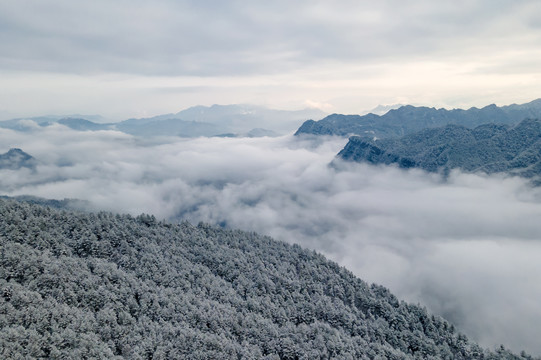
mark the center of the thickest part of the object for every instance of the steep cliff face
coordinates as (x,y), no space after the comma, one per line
(487,148)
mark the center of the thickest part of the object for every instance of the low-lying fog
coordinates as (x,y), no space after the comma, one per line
(468,248)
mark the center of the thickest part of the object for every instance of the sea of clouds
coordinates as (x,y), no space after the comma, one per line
(467,247)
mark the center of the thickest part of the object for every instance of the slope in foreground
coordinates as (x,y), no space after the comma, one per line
(108,286)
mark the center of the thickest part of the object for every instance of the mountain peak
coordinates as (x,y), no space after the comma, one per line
(16,151)
(383,109)
(15,159)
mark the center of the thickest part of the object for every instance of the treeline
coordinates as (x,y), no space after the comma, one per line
(78,285)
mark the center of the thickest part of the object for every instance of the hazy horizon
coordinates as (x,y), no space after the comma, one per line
(380,109)
(146,58)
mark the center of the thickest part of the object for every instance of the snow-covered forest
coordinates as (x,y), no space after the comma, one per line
(99,285)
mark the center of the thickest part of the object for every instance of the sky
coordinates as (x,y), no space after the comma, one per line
(467,247)
(139,58)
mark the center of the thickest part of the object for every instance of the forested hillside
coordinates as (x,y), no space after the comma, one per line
(77,285)
(410,119)
(488,148)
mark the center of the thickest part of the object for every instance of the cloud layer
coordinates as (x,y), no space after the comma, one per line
(229,38)
(466,248)
(66,57)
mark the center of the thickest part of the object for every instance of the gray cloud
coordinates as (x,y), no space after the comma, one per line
(133,59)
(230,38)
(466,247)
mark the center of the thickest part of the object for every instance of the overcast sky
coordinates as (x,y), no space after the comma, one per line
(136,58)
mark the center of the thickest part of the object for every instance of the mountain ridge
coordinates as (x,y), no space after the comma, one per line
(206,121)
(409,119)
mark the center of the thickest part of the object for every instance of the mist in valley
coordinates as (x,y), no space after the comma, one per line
(465,246)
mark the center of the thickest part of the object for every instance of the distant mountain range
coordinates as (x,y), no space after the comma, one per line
(22,124)
(409,119)
(489,148)
(216,120)
(15,159)
(83,124)
(244,118)
(383,109)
